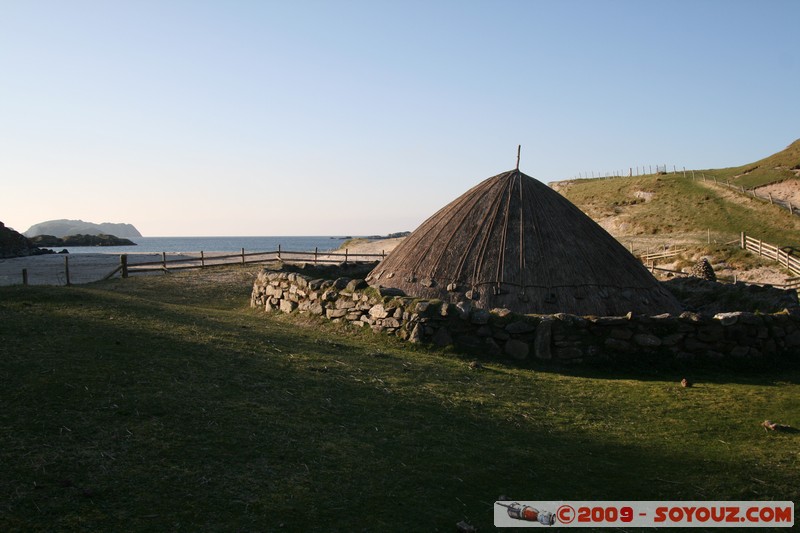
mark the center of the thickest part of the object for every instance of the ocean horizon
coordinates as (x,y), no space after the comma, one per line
(214,244)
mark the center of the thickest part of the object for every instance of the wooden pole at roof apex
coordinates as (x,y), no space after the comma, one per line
(519,149)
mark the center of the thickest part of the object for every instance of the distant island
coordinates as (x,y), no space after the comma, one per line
(63,228)
(81,240)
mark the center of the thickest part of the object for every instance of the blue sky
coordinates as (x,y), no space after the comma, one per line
(316,118)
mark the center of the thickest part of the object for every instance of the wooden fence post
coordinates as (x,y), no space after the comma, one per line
(66,269)
(123,263)
(279,252)
(316,251)
(242,255)
(744,241)
(770,198)
(25,276)
(760,242)
(345,256)
(202,259)
(791,209)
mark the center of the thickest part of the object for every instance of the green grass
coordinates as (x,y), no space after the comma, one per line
(683,205)
(166,403)
(773,168)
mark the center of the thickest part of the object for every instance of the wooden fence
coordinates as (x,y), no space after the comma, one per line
(203,260)
(180,261)
(763,249)
(662,254)
(771,252)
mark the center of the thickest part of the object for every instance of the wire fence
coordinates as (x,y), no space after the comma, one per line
(638,170)
(753,192)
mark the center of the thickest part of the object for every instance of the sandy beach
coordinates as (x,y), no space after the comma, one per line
(86,268)
(51,269)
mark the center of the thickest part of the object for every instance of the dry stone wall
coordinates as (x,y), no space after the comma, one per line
(499,332)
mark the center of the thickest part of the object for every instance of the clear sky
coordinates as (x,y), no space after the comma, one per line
(294,117)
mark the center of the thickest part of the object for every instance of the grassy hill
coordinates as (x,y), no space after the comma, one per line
(165,403)
(780,166)
(673,204)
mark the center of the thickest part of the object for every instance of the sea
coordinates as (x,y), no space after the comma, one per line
(214,244)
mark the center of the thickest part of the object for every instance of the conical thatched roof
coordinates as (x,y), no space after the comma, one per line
(513,242)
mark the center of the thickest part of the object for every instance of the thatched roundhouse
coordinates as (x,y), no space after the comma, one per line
(513,242)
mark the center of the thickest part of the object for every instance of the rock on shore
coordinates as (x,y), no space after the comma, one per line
(14,244)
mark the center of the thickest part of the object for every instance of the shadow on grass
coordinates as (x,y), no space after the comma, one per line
(765,372)
(126,413)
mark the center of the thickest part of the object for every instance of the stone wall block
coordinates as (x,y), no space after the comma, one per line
(516,349)
(620,333)
(416,335)
(345,303)
(330,295)
(442,337)
(287,306)
(521,326)
(391,322)
(335,313)
(619,345)
(646,340)
(479,316)
(378,311)
(542,340)
(356,285)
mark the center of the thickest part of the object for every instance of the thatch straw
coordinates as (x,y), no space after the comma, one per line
(512,242)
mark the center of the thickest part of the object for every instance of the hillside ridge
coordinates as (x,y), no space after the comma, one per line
(697,202)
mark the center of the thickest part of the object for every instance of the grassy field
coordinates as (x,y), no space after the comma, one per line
(778,166)
(681,205)
(166,403)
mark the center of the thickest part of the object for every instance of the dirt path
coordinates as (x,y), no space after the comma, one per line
(785,191)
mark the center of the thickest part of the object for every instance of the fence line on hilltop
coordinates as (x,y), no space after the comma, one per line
(634,171)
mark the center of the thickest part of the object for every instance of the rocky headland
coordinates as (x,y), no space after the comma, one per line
(14,244)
